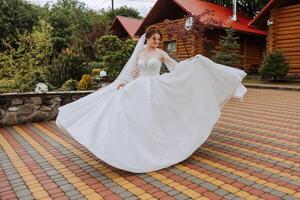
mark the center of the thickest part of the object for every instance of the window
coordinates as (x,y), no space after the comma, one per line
(170,47)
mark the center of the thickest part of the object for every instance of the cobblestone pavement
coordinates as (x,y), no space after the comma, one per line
(253,153)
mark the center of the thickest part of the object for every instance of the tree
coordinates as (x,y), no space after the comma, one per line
(112,54)
(274,66)
(69,64)
(123,11)
(249,7)
(70,19)
(26,61)
(229,53)
(16,16)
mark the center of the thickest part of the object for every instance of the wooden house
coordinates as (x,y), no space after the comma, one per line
(281,19)
(125,27)
(166,13)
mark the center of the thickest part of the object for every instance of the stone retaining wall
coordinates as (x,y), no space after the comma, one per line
(21,108)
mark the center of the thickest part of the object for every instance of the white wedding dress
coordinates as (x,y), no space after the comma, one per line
(155,121)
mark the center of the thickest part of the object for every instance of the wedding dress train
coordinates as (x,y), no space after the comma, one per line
(155,121)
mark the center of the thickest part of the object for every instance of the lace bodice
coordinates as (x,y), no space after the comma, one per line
(150,67)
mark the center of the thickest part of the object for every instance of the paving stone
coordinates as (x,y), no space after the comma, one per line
(28,197)
(209,186)
(221,192)
(110,184)
(125,194)
(277,193)
(173,192)
(198,181)
(158,184)
(184,175)
(257,186)
(268,190)
(72,193)
(166,188)
(20,187)
(181,197)
(230,196)
(149,179)
(245,181)
(13,176)
(289,197)
(131,198)
(22,193)
(117,189)
(67,187)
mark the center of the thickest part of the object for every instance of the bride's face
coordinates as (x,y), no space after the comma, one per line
(154,40)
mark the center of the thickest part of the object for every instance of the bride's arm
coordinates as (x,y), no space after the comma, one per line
(170,62)
(133,75)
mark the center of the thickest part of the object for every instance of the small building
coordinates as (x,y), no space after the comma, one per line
(166,13)
(281,19)
(125,27)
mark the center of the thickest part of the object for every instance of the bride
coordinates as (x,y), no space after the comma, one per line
(144,121)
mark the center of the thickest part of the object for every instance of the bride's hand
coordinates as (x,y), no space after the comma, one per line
(121,85)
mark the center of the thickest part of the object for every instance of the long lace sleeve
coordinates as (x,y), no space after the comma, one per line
(133,74)
(170,62)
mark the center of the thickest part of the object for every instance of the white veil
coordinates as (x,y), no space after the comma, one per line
(125,74)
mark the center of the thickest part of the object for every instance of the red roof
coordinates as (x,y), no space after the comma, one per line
(195,7)
(129,24)
(260,21)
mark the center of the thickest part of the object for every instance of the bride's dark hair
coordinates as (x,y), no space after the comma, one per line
(152,30)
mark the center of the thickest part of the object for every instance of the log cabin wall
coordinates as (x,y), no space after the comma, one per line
(181,51)
(284,34)
(252,46)
(253,53)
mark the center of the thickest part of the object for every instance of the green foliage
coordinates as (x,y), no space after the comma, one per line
(229,53)
(69,18)
(7,86)
(122,11)
(69,85)
(56,43)
(274,66)
(95,71)
(69,64)
(85,83)
(113,54)
(26,63)
(16,16)
(107,44)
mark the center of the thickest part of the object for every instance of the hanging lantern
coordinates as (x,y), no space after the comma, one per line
(188,23)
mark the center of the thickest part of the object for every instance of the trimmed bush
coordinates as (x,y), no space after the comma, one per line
(70,85)
(85,83)
(95,72)
(274,66)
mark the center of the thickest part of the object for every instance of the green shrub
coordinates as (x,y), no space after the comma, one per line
(85,83)
(112,54)
(69,85)
(7,86)
(95,72)
(274,66)
(229,53)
